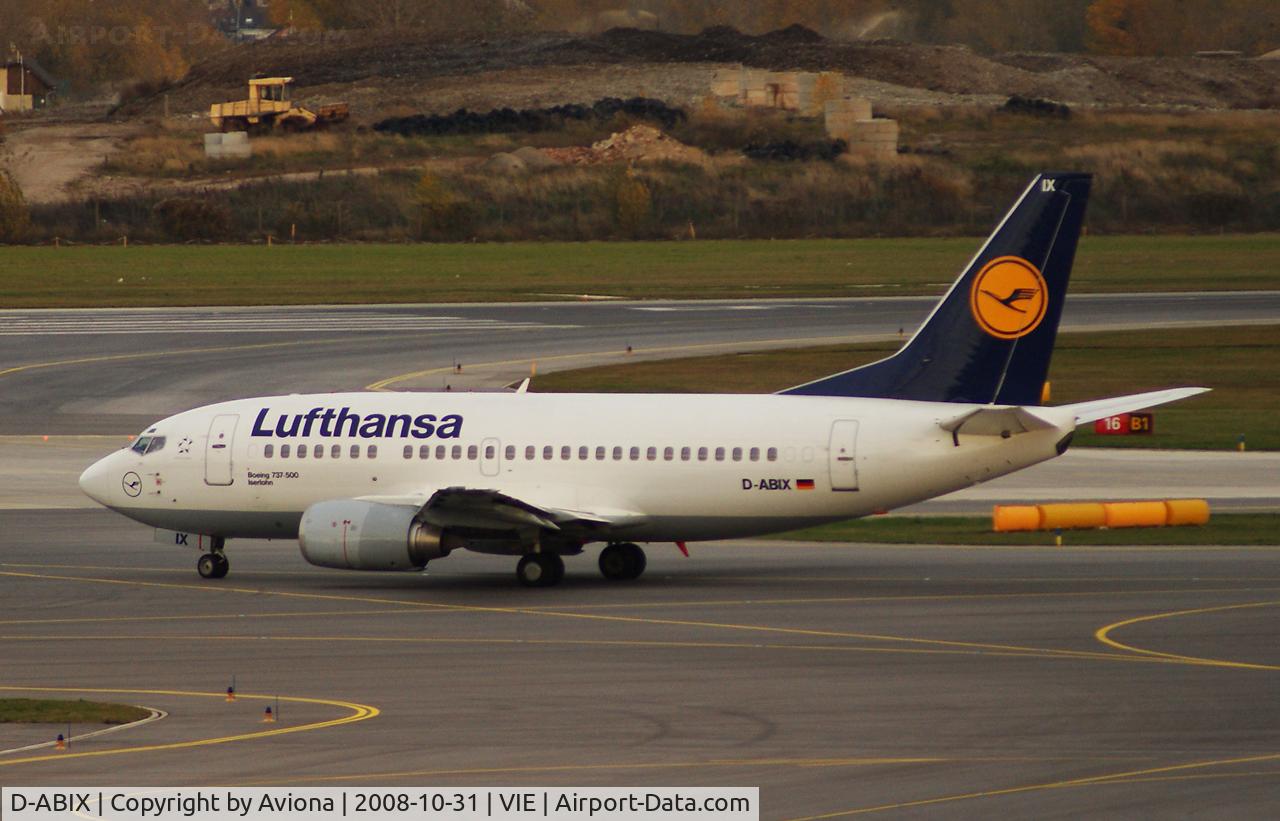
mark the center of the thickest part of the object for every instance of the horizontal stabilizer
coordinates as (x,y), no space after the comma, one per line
(1102,408)
(996,422)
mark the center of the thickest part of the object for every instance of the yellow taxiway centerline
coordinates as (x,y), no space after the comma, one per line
(359,712)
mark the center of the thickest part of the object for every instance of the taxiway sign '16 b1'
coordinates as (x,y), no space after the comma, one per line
(378,481)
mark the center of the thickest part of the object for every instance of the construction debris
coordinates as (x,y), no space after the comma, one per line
(640,143)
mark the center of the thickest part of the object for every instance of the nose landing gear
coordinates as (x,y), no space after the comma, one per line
(214,564)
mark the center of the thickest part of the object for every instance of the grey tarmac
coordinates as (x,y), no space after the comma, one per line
(972,682)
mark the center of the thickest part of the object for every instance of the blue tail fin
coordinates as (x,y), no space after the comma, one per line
(990,338)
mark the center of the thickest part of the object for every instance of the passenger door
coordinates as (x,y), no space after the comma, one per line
(218,448)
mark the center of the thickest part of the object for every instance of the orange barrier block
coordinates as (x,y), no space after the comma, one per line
(1136,514)
(1187,511)
(1069,516)
(1007,518)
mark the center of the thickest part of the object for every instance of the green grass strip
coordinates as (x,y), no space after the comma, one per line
(166,275)
(54,711)
(1240,364)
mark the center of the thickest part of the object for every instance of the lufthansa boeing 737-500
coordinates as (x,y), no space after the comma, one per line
(392,481)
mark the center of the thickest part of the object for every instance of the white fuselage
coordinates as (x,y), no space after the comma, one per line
(674,467)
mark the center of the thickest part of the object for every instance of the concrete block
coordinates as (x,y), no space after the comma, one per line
(726,82)
(233,145)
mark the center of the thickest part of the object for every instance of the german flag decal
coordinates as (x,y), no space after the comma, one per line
(804,484)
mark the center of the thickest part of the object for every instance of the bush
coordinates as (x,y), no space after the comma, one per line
(187,218)
(15,219)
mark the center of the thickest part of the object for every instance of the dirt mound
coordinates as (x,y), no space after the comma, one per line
(360,60)
(640,143)
(508,120)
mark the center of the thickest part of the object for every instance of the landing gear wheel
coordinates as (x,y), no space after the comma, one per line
(623,561)
(212,566)
(540,569)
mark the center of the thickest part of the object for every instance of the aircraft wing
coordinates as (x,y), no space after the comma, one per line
(490,509)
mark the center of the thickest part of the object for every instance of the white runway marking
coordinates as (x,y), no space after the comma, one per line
(299,321)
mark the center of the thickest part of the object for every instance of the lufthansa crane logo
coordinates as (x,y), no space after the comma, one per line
(1009,297)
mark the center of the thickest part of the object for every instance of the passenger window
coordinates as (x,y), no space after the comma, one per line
(335,451)
(529,452)
(408,451)
(651,453)
(584,453)
(511,452)
(489,451)
(600,453)
(472,452)
(702,454)
(668,454)
(617,453)
(318,452)
(635,454)
(456,452)
(754,454)
(268,450)
(685,453)
(355,452)
(302,451)
(284,451)
(737,454)
(566,452)
(371,451)
(548,452)
(424,452)
(439,451)
(771,454)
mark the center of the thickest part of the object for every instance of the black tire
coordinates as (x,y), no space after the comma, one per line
(622,562)
(636,561)
(540,569)
(220,566)
(613,562)
(207,566)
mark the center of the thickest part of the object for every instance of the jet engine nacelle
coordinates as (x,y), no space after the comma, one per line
(352,535)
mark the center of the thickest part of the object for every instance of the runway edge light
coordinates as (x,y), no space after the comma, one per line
(268,717)
(61,743)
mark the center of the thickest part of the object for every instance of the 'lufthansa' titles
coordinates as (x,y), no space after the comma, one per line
(341,422)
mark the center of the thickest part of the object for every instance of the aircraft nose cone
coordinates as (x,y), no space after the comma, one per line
(96,482)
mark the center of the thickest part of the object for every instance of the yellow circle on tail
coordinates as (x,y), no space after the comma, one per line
(1008,298)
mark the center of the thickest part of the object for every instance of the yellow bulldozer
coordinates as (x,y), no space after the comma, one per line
(270,107)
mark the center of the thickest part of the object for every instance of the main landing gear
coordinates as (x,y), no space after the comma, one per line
(214,564)
(540,569)
(622,561)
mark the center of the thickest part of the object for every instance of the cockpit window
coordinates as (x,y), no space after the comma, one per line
(148,444)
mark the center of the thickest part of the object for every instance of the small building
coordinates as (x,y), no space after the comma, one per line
(24,85)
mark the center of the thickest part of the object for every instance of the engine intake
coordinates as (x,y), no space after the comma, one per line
(352,535)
